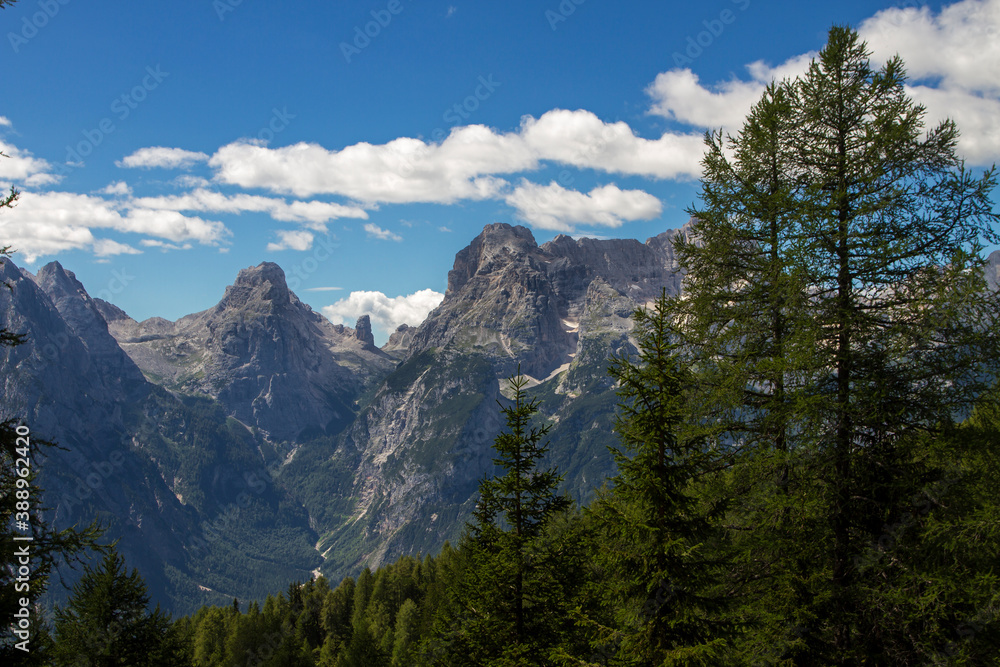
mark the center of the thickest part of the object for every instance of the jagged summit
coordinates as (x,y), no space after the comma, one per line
(268,357)
(54,273)
(499,230)
(84,317)
(517,301)
(497,245)
(263,272)
(253,285)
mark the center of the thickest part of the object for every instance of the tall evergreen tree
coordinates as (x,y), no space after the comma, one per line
(741,325)
(743,294)
(659,531)
(886,332)
(508,593)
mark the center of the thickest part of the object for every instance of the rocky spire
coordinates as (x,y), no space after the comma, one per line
(363,331)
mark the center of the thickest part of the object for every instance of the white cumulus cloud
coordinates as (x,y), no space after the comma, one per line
(679,95)
(581,139)
(118,188)
(313,213)
(554,207)
(161,157)
(21,168)
(466,165)
(952,59)
(46,223)
(405,170)
(291,240)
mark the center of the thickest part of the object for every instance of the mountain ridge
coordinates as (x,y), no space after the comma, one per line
(345,454)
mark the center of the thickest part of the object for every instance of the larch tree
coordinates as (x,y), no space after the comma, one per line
(860,326)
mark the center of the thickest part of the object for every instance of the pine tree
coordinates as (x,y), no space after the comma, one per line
(886,333)
(107,621)
(507,593)
(658,531)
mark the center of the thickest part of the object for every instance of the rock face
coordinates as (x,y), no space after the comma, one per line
(400,340)
(273,362)
(363,332)
(516,300)
(84,317)
(557,311)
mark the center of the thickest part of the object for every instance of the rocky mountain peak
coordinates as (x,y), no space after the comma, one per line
(497,246)
(54,275)
(518,302)
(84,317)
(268,358)
(256,286)
(263,272)
(8,271)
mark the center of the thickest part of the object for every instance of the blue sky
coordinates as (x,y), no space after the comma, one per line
(161,147)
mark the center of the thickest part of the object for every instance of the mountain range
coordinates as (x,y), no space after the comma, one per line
(255,443)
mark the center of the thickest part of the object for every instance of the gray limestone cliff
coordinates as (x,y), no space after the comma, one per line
(363,332)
